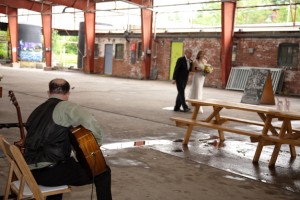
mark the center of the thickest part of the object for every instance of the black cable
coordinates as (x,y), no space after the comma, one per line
(94,169)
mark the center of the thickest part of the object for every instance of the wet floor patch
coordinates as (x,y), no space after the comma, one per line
(123,145)
(238,178)
(231,155)
(126,162)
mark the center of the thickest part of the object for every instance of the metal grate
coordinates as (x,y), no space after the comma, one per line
(238,78)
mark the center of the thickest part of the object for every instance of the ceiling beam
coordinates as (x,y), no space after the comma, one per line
(85,5)
(136,2)
(26,4)
(4,9)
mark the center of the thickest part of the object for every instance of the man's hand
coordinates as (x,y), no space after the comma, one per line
(173,81)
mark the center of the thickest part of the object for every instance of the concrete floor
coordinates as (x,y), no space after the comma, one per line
(142,145)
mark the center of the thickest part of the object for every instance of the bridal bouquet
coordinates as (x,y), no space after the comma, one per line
(207,69)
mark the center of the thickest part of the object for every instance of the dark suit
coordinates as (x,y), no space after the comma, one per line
(181,75)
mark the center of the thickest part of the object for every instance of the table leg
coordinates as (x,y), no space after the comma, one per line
(258,151)
(274,155)
(218,119)
(196,111)
(187,135)
(270,126)
(190,127)
(283,130)
(260,144)
(213,114)
(292,147)
(293,151)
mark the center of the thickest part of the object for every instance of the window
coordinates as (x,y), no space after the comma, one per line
(96,51)
(119,54)
(288,54)
(234,51)
(140,51)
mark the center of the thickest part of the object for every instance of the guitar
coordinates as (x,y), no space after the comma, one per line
(87,150)
(19,143)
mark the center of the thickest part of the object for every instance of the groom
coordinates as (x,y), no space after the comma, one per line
(180,77)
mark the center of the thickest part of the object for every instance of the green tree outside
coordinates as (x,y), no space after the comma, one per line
(251,12)
(64,49)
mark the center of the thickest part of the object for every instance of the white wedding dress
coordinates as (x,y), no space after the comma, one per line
(196,89)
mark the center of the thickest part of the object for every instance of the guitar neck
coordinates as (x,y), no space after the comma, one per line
(10,125)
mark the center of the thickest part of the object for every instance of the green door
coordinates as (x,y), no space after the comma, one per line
(176,52)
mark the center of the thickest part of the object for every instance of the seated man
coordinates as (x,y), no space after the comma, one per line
(48,147)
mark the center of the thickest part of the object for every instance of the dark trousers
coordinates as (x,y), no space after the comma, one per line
(72,173)
(180,100)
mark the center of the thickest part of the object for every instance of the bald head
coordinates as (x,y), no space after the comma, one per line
(188,53)
(59,86)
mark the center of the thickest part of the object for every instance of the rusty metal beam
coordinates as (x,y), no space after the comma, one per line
(45,10)
(85,5)
(137,2)
(89,18)
(13,30)
(89,8)
(147,19)
(228,15)
(26,4)
(12,14)
(47,33)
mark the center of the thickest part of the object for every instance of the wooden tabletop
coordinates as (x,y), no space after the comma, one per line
(246,107)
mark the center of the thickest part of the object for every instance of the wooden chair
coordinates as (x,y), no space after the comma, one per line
(20,180)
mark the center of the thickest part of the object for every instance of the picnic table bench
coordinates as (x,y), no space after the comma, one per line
(269,135)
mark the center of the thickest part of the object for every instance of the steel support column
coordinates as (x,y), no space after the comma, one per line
(228,15)
(89,8)
(47,32)
(147,18)
(13,30)
(89,18)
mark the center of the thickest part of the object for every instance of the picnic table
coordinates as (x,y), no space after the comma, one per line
(268,135)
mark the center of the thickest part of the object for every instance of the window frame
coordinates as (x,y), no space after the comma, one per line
(96,50)
(288,55)
(139,51)
(119,55)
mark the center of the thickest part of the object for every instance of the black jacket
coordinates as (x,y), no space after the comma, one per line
(181,73)
(46,141)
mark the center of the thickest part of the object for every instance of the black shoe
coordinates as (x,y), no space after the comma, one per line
(177,109)
(186,110)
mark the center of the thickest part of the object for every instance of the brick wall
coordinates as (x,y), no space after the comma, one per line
(251,51)
(265,54)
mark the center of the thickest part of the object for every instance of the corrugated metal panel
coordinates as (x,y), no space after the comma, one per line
(239,75)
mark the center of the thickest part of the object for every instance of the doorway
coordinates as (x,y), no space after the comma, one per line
(108,57)
(176,52)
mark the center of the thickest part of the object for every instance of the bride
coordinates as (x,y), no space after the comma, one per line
(196,89)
